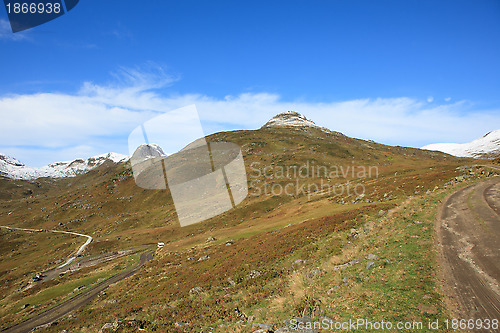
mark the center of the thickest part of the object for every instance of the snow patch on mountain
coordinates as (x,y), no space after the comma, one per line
(291,119)
(12,168)
(486,147)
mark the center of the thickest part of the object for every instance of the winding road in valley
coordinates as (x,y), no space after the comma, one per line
(76,302)
(79,300)
(72,257)
(468,228)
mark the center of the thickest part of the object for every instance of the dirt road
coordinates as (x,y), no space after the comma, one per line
(77,301)
(469,241)
(72,257)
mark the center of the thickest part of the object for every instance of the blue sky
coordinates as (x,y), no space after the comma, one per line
(398,72)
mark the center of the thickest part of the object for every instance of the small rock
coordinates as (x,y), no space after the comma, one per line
(196,290)
(231,281)
(315,273)
(381,212)
(332,290)
(263,328)
(253,274)
(283,330)
(108,327)
(204,258)
(345,280)
(180,325)
(370,265)
(298,262)
(372,256)
(210,239)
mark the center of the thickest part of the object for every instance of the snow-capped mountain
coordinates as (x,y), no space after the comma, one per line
(12,168)
(147,151)
(291,119)
(486,147)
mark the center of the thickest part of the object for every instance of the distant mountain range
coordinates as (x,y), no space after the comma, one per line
(487,146)
(12,168)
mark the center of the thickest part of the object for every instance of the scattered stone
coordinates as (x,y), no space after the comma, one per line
(196,290)
(253,274)
(263,328)
(283,330)
(348,264)
(345,280)
(353,233)
(231,282)
(108,327)
(332,290)
(298,262)
(372,256)
(314,273)
(251,319)
(39,327)
(25,306)
(382,212)
(181,325)
(367,228)
(370,265)
(204,258)
(210,239)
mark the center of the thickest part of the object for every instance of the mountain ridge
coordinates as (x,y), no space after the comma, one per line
(487,146)
(12,168)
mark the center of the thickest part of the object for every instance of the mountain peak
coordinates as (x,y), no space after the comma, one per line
(290,119)
(147,151)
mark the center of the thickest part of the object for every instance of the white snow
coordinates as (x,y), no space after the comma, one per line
(10,160)
(292,119)
(485,147)
(12,168)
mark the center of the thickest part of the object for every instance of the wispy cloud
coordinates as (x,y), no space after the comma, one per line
(121,32)
(46,127)
(7,34)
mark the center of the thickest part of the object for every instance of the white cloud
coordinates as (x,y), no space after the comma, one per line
(47,127)
(447,99)
(430,99)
